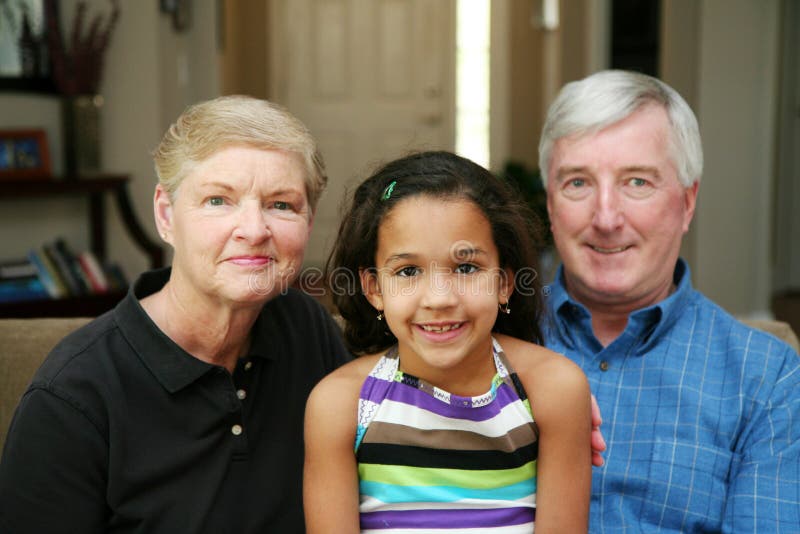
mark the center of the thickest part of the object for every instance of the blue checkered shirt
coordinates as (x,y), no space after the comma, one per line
(700,412)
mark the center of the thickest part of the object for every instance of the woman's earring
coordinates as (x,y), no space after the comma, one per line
(380,316)
(503,306)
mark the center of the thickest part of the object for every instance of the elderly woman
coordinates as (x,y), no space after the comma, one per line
(181,410)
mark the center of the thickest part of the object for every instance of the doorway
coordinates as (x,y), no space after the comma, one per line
(372,79)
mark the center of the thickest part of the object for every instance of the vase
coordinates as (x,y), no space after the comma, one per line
(80,119)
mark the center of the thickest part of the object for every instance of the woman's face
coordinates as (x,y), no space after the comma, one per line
(239,224)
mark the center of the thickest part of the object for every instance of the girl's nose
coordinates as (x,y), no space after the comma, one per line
(440,291)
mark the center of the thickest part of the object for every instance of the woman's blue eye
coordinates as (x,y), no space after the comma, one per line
(216,201)
(281,205)
(408,271)
(466,268)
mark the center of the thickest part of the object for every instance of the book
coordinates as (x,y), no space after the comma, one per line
(17,269)
(48,274)
(22,288)
(94,271)
(63,268)
(116,278)
(74,266)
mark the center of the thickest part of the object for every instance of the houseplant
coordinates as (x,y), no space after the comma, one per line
(77,70)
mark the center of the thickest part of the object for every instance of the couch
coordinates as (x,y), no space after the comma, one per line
(24,343)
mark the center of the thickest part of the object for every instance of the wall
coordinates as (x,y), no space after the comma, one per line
(679,65)
(736,96)
(786,248)
(152,73)
(540,62)
(525,92)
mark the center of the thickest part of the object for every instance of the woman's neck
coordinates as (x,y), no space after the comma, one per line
(213,333)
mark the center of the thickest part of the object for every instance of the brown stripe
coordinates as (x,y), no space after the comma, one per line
(379,432)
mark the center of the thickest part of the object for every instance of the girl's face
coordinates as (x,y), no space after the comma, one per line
(439,283)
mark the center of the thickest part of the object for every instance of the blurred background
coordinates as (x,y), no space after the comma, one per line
(376,78)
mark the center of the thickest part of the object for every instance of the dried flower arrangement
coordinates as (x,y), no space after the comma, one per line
(78,65)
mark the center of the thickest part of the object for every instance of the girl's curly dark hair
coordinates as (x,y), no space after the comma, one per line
(516,232)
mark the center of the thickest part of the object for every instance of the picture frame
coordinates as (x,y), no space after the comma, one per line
(24,154)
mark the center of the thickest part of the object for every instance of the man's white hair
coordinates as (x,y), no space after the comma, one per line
(587,106)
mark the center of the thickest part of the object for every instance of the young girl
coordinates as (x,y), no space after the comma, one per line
(452,418)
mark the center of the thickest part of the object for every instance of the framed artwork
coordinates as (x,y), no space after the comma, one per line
(24,154)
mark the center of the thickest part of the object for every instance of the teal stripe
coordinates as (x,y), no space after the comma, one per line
(360,431)
(390,493)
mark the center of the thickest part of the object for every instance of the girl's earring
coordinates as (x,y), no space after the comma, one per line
(380,316)
(503,306)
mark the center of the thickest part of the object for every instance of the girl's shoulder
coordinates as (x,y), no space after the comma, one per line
(526,356)
(350,376)
(333,403)
(541,370)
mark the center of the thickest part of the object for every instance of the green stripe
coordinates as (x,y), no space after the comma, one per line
(427,476)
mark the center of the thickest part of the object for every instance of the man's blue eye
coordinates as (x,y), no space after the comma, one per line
(216,201)
(638,182)
(577,182)
(280,205)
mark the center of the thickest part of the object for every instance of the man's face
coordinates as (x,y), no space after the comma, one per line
(618,212)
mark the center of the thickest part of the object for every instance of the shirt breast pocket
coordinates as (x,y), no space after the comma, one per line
(688,485)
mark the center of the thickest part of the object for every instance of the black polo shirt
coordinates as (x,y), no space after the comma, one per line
(123,431)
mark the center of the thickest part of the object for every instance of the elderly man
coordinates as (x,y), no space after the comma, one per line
(702,412)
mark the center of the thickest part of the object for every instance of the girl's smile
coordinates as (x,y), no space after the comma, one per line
(439,291)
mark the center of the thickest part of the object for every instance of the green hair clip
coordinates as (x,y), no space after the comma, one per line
(387,193)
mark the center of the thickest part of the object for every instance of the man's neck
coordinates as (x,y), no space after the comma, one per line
(609,318)
(608,326)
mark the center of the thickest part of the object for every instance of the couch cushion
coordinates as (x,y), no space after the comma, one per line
(24,343)
(779,329)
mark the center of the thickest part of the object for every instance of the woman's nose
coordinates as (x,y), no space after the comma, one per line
(253,223)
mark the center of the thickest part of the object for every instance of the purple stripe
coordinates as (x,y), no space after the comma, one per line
(375,390)
(448,519)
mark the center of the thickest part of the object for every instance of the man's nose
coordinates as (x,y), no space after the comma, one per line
(608,210)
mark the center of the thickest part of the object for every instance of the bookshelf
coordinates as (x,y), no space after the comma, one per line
(95,190)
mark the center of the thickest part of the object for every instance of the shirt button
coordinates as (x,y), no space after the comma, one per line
(248,365)
(604,365)
(241,394)
(236,430)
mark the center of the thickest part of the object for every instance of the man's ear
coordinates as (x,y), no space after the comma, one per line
(371,287)
(162,209)
(690,200)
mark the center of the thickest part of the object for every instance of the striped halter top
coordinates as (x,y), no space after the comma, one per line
(431,461)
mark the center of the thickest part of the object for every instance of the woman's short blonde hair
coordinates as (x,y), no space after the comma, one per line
(208,127)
